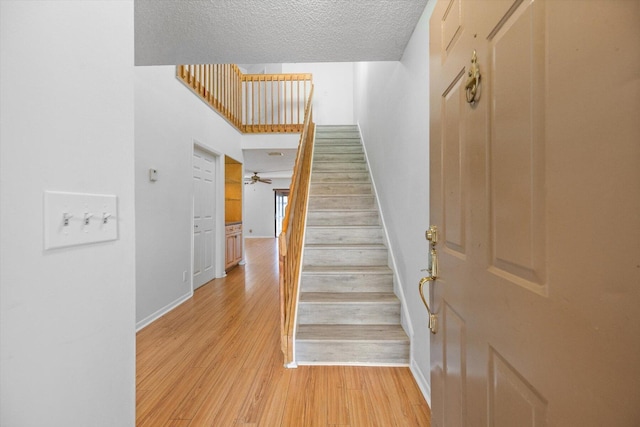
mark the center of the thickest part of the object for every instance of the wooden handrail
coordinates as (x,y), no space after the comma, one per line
(291,238)
(252,103)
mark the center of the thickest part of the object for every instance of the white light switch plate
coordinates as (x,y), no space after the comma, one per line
(90,218)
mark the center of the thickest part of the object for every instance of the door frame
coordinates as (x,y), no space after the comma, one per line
(218,229)
(278,192)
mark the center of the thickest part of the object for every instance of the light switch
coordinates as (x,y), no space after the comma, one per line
(77,219)
(153,175)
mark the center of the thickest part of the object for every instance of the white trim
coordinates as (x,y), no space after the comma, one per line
(219,227)
(366,364)
(422,382)
(164,310)
(397,283)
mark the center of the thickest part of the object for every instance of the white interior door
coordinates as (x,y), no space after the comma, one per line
(203,217)
(535,189)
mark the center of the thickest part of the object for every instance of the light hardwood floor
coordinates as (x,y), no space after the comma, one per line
(216,361)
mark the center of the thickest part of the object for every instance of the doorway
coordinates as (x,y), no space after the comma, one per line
(281,199)
(204,214)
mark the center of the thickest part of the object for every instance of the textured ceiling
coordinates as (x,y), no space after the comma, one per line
(169,32)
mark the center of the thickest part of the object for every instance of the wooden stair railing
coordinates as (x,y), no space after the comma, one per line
(252,103)
(266,103)
(291,238)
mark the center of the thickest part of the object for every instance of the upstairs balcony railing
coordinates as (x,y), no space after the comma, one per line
(252,103)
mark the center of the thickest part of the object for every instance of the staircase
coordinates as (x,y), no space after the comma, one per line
(347,313)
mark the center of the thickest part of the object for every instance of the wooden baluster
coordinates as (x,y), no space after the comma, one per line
(211,69)
(229,93)
(259,104)
(272,112)
(246,98)
(298,101)
(279,105)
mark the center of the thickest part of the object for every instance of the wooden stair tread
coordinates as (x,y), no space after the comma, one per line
(331,246)
(346,227)
(340,270)
(348,297)
(351,333)
(343,209)
(340,196)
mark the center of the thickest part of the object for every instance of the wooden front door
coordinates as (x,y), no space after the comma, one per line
(535,189)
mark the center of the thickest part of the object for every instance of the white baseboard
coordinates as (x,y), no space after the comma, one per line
(164,310)
(423,384)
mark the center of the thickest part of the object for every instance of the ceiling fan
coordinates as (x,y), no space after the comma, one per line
(255,178)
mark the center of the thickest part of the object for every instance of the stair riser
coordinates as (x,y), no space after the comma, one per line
(344,134)
(337,143)
(345,257)
(349,313)
(338,202)
(337,149)
(342,218)
(343,236)
(352,352)
(346,282)
(336,128)
(338,157)
(339,188)
(339,166)
(318,177)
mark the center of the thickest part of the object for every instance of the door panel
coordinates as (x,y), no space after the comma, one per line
(511,397)
(451,25)
(455,368)
(453,164)
(535,189)
(516,147)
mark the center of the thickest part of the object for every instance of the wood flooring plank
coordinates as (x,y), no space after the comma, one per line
(177,423)
(264,385)
(358,408)
(274,405)
(378,399)
(400,406)
(166,405)
(337,408)
(353,377)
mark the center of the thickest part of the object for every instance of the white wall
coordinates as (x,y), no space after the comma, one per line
(392,109)
(169,118)
(259,208)
(67,337)
(333,90)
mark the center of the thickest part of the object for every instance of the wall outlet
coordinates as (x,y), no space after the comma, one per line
(184,276)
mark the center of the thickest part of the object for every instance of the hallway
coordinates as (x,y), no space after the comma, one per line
(215,361)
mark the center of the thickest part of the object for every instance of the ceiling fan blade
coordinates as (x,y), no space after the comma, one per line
(265,180)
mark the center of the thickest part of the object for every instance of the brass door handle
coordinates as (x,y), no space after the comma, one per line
(433,319)
(432,236)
